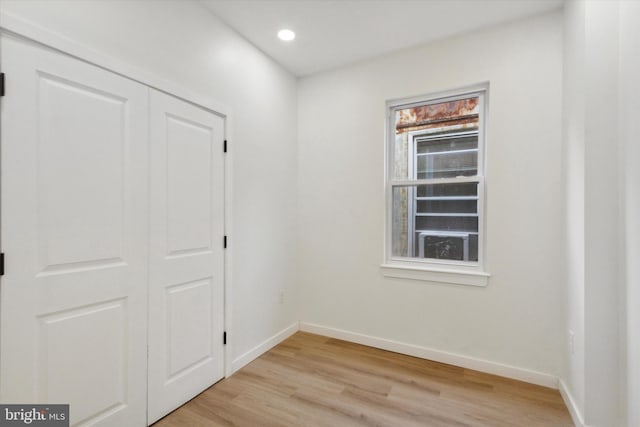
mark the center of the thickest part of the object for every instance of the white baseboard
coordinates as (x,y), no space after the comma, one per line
(263,347)
(486,366)
(574,411)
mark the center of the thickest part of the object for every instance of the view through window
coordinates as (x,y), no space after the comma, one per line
(436,179)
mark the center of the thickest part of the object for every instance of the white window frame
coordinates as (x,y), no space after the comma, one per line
(428,269)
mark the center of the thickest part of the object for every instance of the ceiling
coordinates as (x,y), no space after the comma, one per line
(333,33)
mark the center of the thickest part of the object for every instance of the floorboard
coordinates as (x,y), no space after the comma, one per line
(312,380)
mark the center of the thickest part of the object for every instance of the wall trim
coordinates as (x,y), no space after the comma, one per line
(265,346)
(574,411)
(481,365)
(228,253)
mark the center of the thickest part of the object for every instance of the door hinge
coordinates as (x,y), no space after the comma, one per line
(2,264)
(1,84)
(224,338)
(225,242)
(225,146)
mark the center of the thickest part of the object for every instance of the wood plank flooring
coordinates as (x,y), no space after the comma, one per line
(312,380)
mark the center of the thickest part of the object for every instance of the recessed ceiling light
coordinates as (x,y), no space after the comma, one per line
(286,35)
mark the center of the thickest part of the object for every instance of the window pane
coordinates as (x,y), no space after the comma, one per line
(447,165)
(441,223)
(438,221)
(401,154)
(436,145)
(448,190)
(435,128)
(447,206)
(401,222)
(436,140)
(446,157)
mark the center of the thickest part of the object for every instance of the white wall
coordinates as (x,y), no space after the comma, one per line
(629,86)
(182,42)
(601,107)
(601,213)
(515,319)
(573,135)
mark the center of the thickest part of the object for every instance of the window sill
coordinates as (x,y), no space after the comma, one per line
(468,278)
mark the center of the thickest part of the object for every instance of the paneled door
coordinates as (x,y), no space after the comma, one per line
(73,325)
(186,307)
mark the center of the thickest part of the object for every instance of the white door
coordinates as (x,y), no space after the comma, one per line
(74,232)
(186,260)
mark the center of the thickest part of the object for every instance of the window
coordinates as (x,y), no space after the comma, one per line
(436,187)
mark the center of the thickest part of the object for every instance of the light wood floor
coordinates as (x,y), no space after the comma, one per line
(311,380)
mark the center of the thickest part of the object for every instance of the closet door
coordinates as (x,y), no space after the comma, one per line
(74,233)
(186,308)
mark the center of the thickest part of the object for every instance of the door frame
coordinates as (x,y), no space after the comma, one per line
(16,27)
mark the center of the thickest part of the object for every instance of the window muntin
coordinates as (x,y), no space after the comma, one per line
(435,181)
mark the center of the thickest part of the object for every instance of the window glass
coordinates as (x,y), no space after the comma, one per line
(435,220)
(435,177)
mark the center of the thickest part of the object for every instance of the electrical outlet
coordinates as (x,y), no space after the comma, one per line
(281,297)
(572,350)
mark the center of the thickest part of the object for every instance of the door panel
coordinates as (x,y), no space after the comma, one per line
(188,309)
(59,332)
(189,195)
(186,258)
(74,229)
(72,216)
